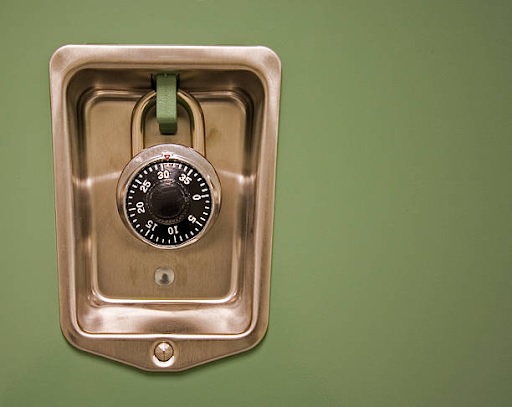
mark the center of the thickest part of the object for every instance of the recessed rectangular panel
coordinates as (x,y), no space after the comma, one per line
(206,271)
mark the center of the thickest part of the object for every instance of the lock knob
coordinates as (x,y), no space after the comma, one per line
(169,201)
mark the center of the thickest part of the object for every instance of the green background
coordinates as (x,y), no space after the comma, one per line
(392,259)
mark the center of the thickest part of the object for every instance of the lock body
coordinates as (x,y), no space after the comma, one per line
(168,196)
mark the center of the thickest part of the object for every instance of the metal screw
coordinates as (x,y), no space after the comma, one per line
(164,351)
(164,276)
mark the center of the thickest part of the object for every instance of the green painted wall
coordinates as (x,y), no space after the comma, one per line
(392,258)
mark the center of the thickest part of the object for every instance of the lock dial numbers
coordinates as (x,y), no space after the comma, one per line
(168,203)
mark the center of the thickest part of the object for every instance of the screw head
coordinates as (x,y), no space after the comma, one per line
(164,351)
(164,276)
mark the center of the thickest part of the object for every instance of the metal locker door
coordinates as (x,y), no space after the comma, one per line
(391,267)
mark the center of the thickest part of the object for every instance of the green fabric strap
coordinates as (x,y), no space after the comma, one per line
(166,113)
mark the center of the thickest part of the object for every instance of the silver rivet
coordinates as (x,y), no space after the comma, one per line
(164,351)
(164,276)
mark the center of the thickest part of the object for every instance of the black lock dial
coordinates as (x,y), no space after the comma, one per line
(168,203)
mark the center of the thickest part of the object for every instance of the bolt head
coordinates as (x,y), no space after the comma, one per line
(164,351)
(164,276)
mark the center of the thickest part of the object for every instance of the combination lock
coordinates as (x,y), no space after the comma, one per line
(168,195)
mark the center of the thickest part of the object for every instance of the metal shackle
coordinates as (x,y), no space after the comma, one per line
(186,100)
